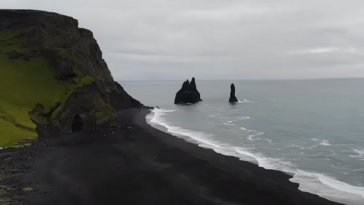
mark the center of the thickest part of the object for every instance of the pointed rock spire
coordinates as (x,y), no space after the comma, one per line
(232,98)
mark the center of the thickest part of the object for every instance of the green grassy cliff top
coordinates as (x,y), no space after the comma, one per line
(44,59)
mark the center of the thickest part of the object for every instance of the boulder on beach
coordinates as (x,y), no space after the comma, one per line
(232,98)
(188,93)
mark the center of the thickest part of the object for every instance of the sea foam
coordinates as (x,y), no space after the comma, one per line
(325,143)
(199,137)
(245,101)
(316,183)
(359,153)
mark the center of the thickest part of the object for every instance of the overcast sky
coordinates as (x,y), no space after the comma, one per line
(221,39)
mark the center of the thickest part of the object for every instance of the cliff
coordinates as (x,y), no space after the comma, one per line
(51,73)
(188,93)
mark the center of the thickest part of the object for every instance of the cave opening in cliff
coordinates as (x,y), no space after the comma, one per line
(77,124)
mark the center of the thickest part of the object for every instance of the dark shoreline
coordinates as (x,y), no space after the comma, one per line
(139,165)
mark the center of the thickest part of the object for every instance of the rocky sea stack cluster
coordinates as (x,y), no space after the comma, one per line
(52,75)
(232,98)
(188,93)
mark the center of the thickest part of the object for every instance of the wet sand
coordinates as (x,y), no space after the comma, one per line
(139,165)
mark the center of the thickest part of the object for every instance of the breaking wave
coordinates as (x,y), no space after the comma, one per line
(316,183)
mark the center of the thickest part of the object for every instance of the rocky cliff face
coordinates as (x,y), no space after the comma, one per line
(188,93)
(52,72)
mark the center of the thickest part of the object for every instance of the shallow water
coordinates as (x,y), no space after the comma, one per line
(311,129)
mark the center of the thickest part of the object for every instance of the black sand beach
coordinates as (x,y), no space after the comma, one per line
(139,165)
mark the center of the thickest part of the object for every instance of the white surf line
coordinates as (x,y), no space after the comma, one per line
(311,182)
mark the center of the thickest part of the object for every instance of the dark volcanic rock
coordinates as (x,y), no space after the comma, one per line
(194,88)
(120,99)
(87,97)
(188,93)
(232,98)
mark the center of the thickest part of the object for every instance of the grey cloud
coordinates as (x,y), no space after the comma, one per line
(221,39)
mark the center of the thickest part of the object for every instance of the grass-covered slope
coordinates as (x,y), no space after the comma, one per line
(24,82)
(50,72)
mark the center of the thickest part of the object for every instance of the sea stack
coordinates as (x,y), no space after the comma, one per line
(232,98)
(188,93)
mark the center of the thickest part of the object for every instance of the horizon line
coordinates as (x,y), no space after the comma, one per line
(250,79)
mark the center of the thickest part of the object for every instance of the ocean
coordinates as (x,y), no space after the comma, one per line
(310,129)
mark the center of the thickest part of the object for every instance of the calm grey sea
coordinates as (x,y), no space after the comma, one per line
(312,129)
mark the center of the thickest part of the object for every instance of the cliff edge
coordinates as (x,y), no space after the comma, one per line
(53,79)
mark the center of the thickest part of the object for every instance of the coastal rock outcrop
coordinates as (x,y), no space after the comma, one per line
(53,78)
(188,93)
(232,98)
